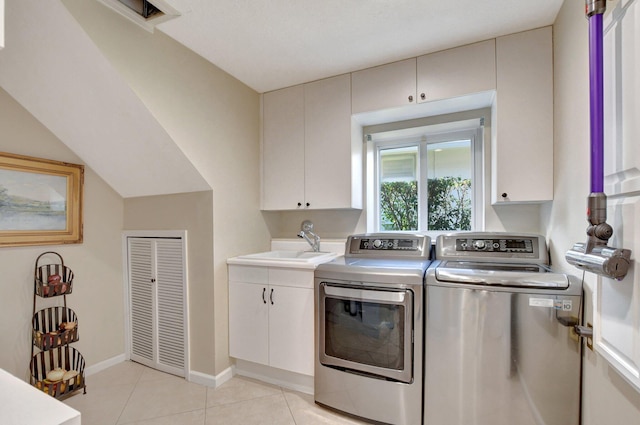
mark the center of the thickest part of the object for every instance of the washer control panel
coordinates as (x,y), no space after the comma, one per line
(388,244)
(492,247)
(524,245)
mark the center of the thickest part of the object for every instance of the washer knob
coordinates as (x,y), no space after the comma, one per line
(479,244)
(377,243)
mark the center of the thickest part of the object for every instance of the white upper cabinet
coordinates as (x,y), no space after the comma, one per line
(384,87)
(283,149)
(330,179)
(312,148)
(309,158)
(457,72)
(522,123)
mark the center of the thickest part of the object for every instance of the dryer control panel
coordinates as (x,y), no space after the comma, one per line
(385,245)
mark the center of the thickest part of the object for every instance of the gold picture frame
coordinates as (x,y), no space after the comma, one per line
(40,201)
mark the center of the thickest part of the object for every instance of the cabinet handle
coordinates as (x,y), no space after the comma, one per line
(153,280)
(410,98)
(423,96)
(263,292)
(271,296)
(308,204)
(504,195)
(299,204)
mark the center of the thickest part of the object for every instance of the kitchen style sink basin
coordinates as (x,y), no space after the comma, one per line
(302,256)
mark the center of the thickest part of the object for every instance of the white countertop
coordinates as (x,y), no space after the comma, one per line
(23,404)
(334,248)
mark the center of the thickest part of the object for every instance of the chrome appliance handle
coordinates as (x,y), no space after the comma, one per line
(508,279)
(364,294)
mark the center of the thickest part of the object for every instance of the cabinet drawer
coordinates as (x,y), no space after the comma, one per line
(291,277)
(248,274)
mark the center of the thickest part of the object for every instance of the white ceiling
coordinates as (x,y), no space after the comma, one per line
(279,43)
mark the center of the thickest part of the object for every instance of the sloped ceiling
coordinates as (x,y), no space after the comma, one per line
(51,67)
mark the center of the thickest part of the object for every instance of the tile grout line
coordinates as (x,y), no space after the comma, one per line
(129,398)
(288,406)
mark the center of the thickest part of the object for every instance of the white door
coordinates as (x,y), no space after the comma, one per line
(291,342)
(157,303)
(617,309)
(248,322)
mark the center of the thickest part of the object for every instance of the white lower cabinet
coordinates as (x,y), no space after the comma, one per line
(271,317)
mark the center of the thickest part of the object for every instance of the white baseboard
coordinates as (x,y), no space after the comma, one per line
(282,378)
(210,380)
(99,367)
(194,376)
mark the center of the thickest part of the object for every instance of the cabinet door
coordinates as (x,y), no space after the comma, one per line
(291,330)
(383,87)
(283,149)
(457,72)
(328,148)
(248,322)
(522,146)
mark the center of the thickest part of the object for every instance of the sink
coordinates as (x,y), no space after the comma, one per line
(303,256)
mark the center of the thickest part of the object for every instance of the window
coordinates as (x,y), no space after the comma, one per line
(426,179)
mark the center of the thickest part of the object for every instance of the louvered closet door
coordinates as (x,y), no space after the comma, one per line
(141,298)
(158,303)
(171,301)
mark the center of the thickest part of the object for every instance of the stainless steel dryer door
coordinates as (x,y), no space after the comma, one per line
(367,330)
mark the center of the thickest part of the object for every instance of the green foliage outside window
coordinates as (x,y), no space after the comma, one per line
(449,201)
(399,205)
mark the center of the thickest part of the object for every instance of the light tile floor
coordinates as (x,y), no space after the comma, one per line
(129,393)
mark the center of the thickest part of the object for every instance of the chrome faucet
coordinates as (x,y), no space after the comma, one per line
(306,229)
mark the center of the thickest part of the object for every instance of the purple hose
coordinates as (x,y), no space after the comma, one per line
(596,101)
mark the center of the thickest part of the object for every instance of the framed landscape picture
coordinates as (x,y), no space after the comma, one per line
(40,201)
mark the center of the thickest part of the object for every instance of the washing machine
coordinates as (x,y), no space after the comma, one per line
(500,345)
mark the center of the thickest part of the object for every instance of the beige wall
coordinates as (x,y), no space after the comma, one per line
(214,119)
(192,212)
(97,296)
(607,399)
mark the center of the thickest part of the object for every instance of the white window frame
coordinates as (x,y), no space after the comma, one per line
(422,137)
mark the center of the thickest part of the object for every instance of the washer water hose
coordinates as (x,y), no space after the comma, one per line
(594,255)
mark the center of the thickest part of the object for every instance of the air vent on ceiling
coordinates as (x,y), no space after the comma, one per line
(141,7)
(146,13)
